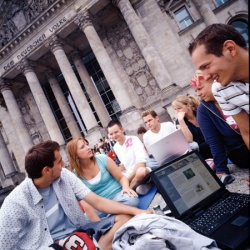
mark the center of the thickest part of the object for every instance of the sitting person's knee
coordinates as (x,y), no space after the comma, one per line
(141,173)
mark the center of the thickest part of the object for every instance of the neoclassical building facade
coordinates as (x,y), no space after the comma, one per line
(69,66)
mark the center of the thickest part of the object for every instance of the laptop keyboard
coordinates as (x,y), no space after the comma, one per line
(220,212)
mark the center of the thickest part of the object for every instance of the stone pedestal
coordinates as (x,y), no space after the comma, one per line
(41,101)
(63,105)
(16,116)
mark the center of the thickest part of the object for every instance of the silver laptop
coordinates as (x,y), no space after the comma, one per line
(169,148)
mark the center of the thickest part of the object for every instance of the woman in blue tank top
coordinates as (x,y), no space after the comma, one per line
(100,174)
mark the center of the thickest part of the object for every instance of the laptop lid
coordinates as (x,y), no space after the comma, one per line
(187,184)
(169,147)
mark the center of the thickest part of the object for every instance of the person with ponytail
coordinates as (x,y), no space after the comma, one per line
(185,107)
(220,131)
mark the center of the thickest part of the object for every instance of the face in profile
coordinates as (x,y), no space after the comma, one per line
(222,69)
(151,122)
(181,107)
(57,167)
(204,90)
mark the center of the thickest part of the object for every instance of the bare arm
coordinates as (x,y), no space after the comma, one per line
(183,126)
(242,120)
(90,211)
(111,207)
(113,169)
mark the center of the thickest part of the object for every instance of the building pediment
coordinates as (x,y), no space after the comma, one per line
(16,15)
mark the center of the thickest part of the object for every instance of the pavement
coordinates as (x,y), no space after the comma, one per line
(239,185)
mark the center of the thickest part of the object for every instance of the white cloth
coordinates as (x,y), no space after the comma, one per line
(232,98)
(23,223)
(130,153)
(150,137)
(151,231)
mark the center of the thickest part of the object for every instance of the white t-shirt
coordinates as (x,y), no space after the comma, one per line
(131,153)
(150,137)
(232,98)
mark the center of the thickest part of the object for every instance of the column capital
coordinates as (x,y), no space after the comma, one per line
(74,56)
(5,85)
(49,74)
(25,66)
(54,43)
(84,19)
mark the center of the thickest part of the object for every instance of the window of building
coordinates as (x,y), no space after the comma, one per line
(242,27)
(103,88)
(220,2)
(183,17)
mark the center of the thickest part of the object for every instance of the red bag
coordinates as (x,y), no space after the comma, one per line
(80,240)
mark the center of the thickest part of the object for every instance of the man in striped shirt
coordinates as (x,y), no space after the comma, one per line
(221,53)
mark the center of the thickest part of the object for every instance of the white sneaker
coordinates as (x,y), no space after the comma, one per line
(144,188)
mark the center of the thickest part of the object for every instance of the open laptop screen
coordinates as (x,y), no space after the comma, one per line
(186,181)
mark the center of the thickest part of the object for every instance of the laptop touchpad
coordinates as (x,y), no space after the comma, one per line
(240,221)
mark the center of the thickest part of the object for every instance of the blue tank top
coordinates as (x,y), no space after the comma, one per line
(108,186)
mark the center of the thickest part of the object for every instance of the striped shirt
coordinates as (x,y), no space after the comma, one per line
(232,98)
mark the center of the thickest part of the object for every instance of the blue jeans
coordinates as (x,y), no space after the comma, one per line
(194,145)
(124,199)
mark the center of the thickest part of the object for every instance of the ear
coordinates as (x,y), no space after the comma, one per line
(229,48)
(46,170)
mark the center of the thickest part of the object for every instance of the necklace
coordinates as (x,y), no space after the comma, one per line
(50,190)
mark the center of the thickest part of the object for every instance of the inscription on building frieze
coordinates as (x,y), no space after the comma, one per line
(33,44)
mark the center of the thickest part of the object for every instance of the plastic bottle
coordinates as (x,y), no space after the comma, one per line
(157,210)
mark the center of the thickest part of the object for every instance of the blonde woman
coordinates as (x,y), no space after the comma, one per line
(100,174)
(220,131)
(185,108)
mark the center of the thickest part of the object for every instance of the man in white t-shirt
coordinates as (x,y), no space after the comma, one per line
(135,162)
(156,130)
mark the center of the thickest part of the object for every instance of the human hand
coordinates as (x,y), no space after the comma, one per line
(129,191)
(140,211)
(181,115)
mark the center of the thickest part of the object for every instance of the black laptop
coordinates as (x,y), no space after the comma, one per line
(196,196)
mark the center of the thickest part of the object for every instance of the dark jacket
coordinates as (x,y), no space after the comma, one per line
(217,133)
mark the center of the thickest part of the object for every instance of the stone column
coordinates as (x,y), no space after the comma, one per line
(73,84)
(62,103)
(5,159)
(142,39)
(90,88)
(41,101)
(206,12)
(15,115)
(85,23)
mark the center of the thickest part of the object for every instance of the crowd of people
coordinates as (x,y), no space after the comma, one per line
(101,187)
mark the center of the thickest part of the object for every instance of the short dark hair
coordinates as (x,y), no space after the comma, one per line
(149,112)
(214,36)
(39,156)
(114,122)
(141,130)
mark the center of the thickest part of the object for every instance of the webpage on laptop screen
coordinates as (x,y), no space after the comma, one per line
(187,182)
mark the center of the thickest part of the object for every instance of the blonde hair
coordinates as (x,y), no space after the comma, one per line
(72,156)
(149,112)
(184,99)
